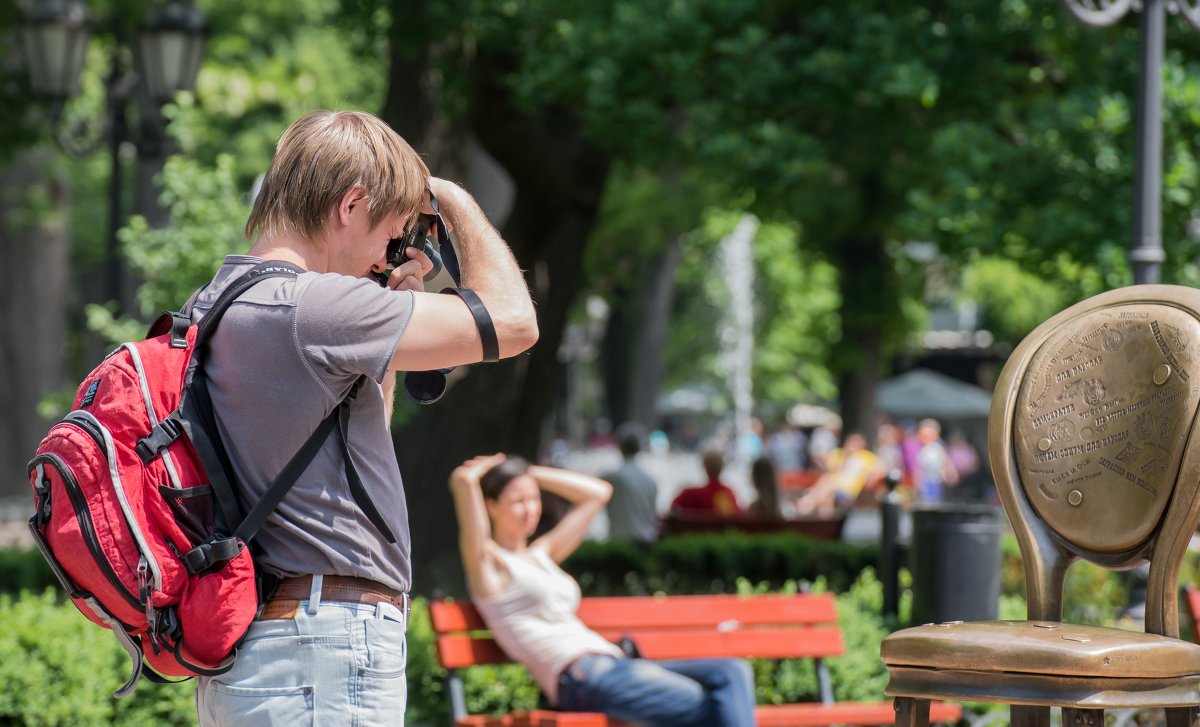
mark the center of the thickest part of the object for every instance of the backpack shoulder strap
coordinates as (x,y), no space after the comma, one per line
(245,281)
(196,415)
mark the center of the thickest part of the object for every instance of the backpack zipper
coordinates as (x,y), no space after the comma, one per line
(92,426)
(86,527)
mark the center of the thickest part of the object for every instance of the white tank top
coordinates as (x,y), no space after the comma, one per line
(534,619)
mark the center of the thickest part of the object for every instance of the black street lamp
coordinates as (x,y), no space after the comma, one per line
(166,55)
(1146,253)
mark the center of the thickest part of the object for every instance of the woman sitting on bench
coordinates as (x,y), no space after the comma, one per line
(529,603)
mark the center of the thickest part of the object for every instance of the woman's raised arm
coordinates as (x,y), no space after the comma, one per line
(588,495)
(474,528)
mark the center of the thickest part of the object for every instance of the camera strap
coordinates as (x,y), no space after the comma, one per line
(426,387)
(483,321)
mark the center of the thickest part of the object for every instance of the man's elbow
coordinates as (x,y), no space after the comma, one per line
(520,335)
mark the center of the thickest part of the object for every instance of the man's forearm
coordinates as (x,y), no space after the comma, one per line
(488,265)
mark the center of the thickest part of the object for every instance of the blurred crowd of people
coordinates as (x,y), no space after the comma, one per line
(796,472)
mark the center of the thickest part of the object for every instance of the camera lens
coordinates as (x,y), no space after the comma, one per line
(425,387)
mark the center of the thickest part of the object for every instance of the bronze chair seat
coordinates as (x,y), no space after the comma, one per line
(1042,647)
(1094,443)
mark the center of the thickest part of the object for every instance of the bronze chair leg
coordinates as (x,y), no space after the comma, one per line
(1026,716)
(912,712)
(1183,717)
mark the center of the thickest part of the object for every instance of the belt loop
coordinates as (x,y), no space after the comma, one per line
(314,594)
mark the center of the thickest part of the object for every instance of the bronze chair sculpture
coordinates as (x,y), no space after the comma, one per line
(1092,439)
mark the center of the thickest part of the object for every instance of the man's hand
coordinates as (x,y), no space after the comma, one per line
(446,192)
(410,275)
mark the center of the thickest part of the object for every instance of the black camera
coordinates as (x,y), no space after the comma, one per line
(423,234)
(424,387)
(414,238)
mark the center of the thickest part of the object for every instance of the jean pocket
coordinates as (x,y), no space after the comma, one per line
(267,706)
(387,647)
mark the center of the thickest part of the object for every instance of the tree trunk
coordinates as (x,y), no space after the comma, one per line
(870,299)
(501,407)
(615,358)
(33,304)
(658,299)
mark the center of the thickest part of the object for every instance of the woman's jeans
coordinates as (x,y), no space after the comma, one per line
(700,692)
(331,664)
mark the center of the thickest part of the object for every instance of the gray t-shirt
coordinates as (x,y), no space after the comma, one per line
(632,514)
(285,354)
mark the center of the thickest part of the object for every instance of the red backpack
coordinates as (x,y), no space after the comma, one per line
(135,508)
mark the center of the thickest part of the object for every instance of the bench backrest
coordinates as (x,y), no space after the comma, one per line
(672,627)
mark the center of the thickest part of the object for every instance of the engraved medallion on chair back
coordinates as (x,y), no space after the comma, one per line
(1102,421)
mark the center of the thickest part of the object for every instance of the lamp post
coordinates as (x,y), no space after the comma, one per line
(1146,253)
(166,55)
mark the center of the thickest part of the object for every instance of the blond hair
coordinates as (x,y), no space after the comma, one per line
(324,154)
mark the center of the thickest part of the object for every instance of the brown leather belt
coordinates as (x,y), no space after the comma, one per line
(345,589)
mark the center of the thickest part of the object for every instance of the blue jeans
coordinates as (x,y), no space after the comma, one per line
(700,692)
(332,664)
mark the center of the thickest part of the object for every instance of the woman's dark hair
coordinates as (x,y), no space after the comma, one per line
(497,478)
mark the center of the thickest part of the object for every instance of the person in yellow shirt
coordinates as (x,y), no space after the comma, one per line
(851,468)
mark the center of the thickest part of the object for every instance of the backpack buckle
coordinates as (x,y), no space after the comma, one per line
(215,550)
(159,438)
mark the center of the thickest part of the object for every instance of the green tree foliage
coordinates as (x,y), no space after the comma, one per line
(795,317)
(265,66)
(1014,301)
(1000,127)
(208,213)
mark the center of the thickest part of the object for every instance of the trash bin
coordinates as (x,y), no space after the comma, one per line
(954,557)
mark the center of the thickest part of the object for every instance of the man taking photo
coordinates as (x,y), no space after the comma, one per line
(328,646)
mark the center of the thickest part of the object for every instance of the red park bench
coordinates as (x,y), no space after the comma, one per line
(680,627)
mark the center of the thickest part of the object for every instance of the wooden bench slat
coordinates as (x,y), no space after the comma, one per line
(778,643)
(636,612)
(865,714)
(460,650)
(454,616)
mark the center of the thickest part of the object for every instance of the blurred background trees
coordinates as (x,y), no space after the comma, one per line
(899,159)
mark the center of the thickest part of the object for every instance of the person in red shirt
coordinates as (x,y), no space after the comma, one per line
(714,496)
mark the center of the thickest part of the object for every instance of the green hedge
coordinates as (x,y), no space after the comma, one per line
(715,563)
(25,569)
(58,668)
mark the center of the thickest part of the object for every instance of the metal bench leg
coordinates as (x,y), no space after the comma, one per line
(911,712)
(456,695)
(1026,716)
